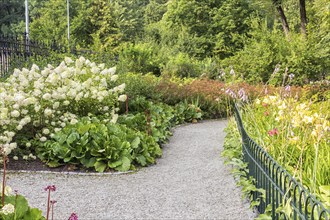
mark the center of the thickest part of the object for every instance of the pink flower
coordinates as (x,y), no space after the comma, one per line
(273,132)
(73,216)
(51,188)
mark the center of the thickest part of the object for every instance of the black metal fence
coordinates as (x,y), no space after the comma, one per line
(19,50)
(281,189)
(16,52)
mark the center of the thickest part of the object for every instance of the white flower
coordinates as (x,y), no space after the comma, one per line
(64,74)
(56,105)
(79,96)
(19,127)
(35,67)
(37,108)
(48,112)
(13,145)
(45,131)
(28,144)
(95,70)
(6,150)
(121,87)
(15,157)
(73,121)
(114,78)
(101,66)
(57,129)
(15,114)
(47,96)
(25,157)
(63,124)
(122,98)
(112,70)
(10,134)
(28,101)
(66,102)
(68,60)
(24,111)
(43,139)
(32,156)
(8,190)
(19,97)
(114,118)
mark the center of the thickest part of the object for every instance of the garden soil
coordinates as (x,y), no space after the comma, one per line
(190,181)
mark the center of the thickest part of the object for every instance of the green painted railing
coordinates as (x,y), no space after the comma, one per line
(280,187)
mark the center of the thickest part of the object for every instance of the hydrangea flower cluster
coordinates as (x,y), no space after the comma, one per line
(45,101)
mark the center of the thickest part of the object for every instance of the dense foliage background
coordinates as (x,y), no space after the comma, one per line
(207,53)
(189,37)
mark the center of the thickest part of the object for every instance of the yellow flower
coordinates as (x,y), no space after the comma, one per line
(308,119)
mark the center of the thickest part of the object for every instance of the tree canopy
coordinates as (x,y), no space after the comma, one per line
(251,36)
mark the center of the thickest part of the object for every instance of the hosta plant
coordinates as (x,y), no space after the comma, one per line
(98,145)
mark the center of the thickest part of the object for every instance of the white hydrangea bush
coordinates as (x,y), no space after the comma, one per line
(41,102)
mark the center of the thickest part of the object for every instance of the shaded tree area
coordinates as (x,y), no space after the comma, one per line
(190,37)
(11,13)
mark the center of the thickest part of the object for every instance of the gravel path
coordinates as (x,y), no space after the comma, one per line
(190,181)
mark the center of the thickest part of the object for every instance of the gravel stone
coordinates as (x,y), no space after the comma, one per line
(190,181)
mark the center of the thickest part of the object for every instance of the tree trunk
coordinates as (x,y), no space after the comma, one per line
(285,24)
(303,17)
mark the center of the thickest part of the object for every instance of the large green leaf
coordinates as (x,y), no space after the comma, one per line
(115,164)
(84,139)
(21,205)
(33,214)
(135,143)
(100,166)
(141,160)
(72,138)
(82,129)
(88,162)
(60,138)
(125,165)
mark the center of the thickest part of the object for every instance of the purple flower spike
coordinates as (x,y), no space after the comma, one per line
(73,216)
(287,88)
(291,76)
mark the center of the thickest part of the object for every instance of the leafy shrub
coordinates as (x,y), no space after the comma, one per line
(98,145)
(267,50)
(185,112)
(139,58)
(317,91)
(139,85)
(181,65)
(158,120)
